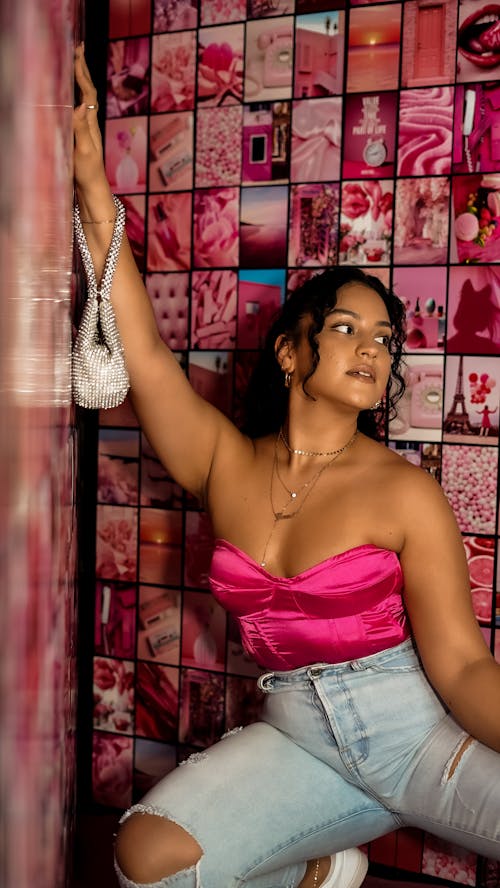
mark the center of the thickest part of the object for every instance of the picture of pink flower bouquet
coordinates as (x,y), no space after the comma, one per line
(366,222)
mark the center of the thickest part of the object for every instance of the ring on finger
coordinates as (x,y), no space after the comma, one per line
(92,107)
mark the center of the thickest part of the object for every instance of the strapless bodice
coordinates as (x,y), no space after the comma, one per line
(345,607)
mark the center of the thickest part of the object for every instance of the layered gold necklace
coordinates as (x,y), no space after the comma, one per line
(305,488)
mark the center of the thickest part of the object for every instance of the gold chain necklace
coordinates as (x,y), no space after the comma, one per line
(299,452)
(283,514)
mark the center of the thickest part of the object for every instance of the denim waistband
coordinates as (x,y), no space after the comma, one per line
(305,673)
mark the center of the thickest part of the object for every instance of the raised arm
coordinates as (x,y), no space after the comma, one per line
(186,432)
(455,656)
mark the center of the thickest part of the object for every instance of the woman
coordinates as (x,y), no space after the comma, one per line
(316,525)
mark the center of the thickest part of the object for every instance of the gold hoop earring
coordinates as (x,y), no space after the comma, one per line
(376,406)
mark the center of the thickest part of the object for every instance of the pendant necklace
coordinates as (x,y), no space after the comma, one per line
(283,514)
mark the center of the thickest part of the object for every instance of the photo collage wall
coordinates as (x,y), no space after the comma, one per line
(255,143)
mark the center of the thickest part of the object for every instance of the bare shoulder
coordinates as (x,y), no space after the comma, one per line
(416,493)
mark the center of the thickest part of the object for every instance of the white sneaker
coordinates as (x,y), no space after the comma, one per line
(347,869)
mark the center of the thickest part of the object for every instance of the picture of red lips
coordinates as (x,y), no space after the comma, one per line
(479,37)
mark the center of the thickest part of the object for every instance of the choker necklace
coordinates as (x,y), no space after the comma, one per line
(283,513)
(299,452)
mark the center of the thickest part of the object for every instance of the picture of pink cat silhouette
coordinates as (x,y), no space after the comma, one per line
(476,314)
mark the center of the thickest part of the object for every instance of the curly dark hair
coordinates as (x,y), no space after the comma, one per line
(267,398)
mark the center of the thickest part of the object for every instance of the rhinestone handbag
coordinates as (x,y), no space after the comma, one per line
(99,374)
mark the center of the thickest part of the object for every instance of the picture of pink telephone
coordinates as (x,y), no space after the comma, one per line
(426,386)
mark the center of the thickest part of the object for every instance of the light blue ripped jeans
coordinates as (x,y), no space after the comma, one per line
(344,753)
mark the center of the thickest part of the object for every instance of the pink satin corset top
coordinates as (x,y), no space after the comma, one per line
(347,606)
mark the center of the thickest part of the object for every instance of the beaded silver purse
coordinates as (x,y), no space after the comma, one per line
(99,374)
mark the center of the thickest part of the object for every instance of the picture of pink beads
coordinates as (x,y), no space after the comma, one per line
(469,481)
(218,146)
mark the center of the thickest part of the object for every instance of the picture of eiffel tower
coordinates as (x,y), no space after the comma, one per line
(457,419)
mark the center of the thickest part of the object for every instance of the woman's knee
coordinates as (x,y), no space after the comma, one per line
(150,848)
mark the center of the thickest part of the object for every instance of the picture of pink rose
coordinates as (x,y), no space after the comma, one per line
(354,201)
(216,227)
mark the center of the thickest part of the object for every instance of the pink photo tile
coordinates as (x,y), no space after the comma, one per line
(465,471)
(260,294)
(316,140)
(113,695)
(160,547)
(220,65)
(268,59)
(216,227)
(429,43)
(476,142)
(478,56)
(202,707)
(210,374)
(263,226)
(159,625)
(118,467)
(366,222)
(266,8)
(475,218)
(374,42)
(319,54)
(180,15)
(169,231)
(474,310)
(419,412)
(128,19)
(156,701)
(114,619)
(314,222)
(126,154)
(169,295)
(128,77)
(116,543)
(218,12)
(471,401)
(112,769)
(173,71)
(218,146)
(369,135)
(421,221)
(480,552)
(425,131)
(213,309)
(171,152)
(423,292)
(266,143)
